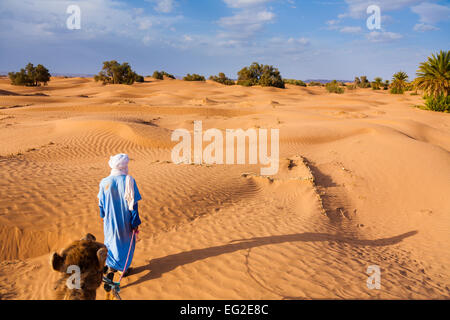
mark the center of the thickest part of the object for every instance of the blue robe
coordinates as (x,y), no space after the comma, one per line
(118,220)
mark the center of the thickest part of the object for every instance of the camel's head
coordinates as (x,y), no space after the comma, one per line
(81,265)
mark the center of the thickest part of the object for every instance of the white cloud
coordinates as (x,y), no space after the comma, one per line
(145,23)
(357,8)
(292,4)
(164,6)
(431,13)
(383,36)
(244,3)
(245,24)
(422,27)
(334,25)
(46,19)
(350,29)
(247,18)
(300,41)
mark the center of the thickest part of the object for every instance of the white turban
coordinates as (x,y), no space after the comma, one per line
(119,164)
(119,167)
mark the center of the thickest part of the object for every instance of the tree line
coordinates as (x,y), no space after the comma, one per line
(433,78)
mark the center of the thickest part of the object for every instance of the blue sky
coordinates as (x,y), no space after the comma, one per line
(326,39)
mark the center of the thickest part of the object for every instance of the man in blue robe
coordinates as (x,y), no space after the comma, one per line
(118,202)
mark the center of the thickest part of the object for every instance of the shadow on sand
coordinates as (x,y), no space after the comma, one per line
(158,266)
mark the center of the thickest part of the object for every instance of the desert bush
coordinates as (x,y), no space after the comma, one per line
(295,82)
(245,83)
(351,87)
(314,84)
(377,83)
(333,87)
(437,103)
(396,90)
(20,78)
(409,86)
(258,74)
(116,73)
(168,75)
(222,78)
(159,75)
(194,77)
(30,76)
(364,83)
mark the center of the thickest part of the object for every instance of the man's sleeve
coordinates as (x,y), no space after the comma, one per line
(137,195)
(135,220)
(102,212)
(100,201)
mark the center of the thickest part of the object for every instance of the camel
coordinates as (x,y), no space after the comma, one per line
(89,256)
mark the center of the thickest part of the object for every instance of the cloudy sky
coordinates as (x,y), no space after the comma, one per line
(326,39)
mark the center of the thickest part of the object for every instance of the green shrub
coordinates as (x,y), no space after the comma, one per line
(438,103)
(397,90)
(377,83)
(194,77)
(222,78)
(168,75)
(333,87)
(258,74)
(116,73)
(245,83)
(159,75)
(409,87)
(30,76)
(295,82)
(139,78)
(351,87)
(364,83)
(314,84)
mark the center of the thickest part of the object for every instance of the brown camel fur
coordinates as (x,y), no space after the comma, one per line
(90,257)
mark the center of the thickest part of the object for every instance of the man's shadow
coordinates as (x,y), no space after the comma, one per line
(158,266)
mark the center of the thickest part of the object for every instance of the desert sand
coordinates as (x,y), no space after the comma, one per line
(364,180)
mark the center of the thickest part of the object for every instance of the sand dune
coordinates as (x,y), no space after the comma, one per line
(363,180)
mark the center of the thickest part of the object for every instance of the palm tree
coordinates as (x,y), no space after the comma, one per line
(376,84)
(433,76)
(399,83)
